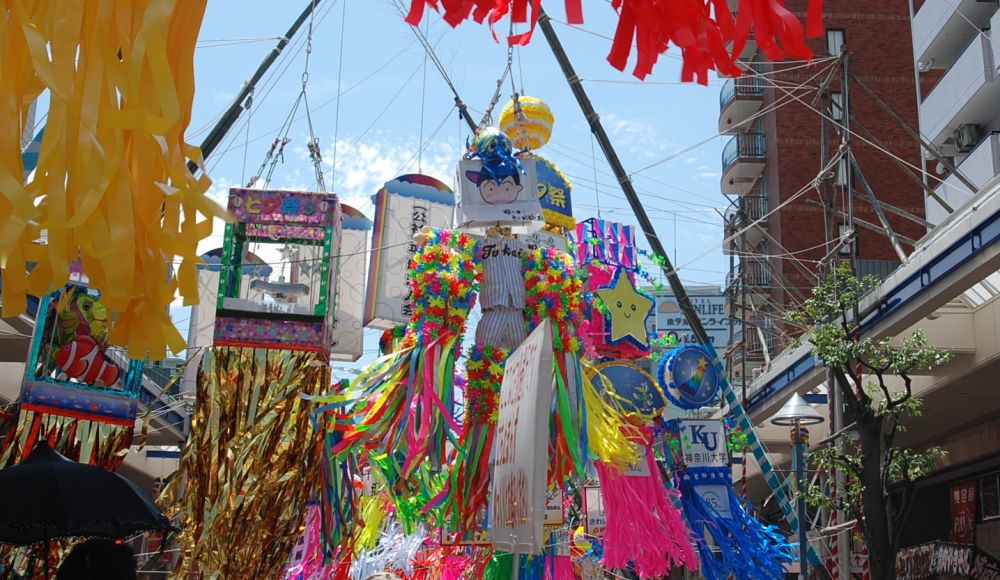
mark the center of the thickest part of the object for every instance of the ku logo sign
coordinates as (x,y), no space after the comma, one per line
(703,443)
(704,438)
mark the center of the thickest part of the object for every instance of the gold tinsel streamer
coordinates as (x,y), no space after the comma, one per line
(112,185)
(250,462)
(83,440)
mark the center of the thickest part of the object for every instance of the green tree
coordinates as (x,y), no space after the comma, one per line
(873,377)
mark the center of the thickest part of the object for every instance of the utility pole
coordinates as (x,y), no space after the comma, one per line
(237,107)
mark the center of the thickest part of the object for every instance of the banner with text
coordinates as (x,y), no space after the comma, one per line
(517,505)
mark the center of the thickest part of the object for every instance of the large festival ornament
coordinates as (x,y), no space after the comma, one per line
(405,206)
(251,449)
(702,29)
(77,393)
(554,195)
(741,546)
(496,188)
(626,310)
(112,186)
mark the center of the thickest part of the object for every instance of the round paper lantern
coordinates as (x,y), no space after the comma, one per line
(532,128)
(689,378)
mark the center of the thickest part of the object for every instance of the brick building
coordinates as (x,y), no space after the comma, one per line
(771,162)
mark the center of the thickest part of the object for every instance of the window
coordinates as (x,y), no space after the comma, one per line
(989,496)
(834,41)
(837,106)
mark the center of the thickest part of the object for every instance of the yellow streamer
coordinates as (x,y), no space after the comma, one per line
(112,186)
(608,430)
(371,517)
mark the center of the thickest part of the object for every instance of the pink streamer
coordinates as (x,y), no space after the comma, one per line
(644,526)
(455,567)
(559,568)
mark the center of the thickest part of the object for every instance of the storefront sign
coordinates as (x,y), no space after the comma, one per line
(518,501)
(963,512)
(593,507)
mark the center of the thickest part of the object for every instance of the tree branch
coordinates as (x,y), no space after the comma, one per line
(908,383)
(845,387)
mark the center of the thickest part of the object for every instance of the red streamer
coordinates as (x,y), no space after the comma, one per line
(702,29)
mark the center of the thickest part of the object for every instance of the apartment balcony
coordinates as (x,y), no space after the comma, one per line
(744,224)
(966,95)
(743,161)
(979,166)
(752,273)
(941,31)
(739,100)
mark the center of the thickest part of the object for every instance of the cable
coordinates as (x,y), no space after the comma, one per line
(424,145)
(336,122)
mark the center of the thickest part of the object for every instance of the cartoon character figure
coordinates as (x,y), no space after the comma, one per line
(83,360)
(499,186)
(83,316)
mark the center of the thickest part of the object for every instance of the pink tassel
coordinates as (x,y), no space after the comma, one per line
(643,525)
(559,568)
(455,567)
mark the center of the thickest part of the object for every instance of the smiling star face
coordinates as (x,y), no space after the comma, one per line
(627,310)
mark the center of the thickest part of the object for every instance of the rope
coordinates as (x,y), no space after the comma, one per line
(313,145)
(336,115)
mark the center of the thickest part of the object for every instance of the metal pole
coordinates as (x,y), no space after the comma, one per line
(229,118)
(800,458)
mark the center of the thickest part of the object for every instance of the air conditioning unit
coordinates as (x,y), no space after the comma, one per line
(967,137)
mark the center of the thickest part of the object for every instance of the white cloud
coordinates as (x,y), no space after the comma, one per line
(640,137)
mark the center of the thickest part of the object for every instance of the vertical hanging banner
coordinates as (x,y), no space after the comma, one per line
(963,512)
(517,506)
(403,207)
(348,329)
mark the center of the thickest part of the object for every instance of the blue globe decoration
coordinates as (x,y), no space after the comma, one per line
(635,390)
(688,377)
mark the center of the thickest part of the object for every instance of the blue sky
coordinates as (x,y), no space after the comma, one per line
(390,105)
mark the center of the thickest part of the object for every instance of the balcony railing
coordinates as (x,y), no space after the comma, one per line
(743,146)
(754,207)
(745,86)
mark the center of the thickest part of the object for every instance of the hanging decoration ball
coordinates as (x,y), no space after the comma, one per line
(531,127)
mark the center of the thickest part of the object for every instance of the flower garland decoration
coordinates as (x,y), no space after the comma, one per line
(554,291)
(444,277)
(485,372)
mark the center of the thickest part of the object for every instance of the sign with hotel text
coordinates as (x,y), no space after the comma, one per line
(518,501)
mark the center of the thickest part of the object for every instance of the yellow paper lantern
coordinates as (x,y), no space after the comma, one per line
(531,128)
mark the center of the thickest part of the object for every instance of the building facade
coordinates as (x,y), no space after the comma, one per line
(786,215)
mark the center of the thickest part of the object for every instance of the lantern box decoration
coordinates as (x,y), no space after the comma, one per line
(298,234)
(71,369)
(403,207)
(347,340)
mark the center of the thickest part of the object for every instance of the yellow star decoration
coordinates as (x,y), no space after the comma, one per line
(628,310)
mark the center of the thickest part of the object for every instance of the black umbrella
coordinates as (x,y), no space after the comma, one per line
(47,497)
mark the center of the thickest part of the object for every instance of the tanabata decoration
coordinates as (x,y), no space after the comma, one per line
(496,189)
(616,325)
(643,525)
(688,377)
(554,194)
(77,392)
(632,387)
(710,34)
(407,396)
(403,207)
(347,334)
(251,448)
(741,546)
(112,187)
(527,121)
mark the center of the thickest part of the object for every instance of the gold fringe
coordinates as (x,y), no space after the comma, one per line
(250,464)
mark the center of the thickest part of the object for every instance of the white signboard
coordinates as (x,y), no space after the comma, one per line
(717,497)
(517,505)
(559,542)
(554,507)
(593,505)
(403,207)
(711,307)
(703,443)
(489,200)
(544,239)
(348,331)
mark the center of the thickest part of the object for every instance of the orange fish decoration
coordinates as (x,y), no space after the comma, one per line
(83,360)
